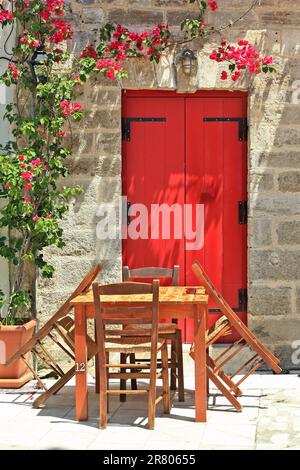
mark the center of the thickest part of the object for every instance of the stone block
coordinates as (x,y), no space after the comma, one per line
(108,143)
(102,119)
(138,18)
(269,301)
(101,166)
(274,265)
(288,233)
(261,182)
(275,205)
(273,159)
(93,16)
(260,233)
(103,96)
(81,142)
(289,181)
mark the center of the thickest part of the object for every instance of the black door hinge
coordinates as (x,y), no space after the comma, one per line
(126,125)
(243,300)
(243,212)
(243,125)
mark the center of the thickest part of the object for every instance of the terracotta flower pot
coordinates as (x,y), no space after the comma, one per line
(11,339)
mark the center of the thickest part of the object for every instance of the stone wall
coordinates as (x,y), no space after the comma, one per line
(273,157)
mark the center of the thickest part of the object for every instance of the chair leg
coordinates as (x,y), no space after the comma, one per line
(165,379)
(152,395)
(107,380)
(174,360)
(180,365)
(96,363)
(223,389)
(97,388)
(133,381)
(123,360)
(237,391)
(103,403)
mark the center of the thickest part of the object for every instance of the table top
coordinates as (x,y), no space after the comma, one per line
(167,295)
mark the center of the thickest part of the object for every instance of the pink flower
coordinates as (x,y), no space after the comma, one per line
(23,39)
(36,162)
(26,175)
(76,107)
(7,185)
(35,218)
(27,186)
(26,200)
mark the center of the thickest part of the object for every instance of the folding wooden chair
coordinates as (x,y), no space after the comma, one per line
(246,338)
(168,331)
(60,331)
(113,338)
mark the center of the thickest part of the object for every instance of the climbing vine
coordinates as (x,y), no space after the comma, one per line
(46,78)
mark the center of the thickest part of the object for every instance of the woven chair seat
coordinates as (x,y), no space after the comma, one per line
(163,328)
(213,331)
(132,347)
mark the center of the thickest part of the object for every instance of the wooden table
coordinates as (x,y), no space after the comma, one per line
(174,302)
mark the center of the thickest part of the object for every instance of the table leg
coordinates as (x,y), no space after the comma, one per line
(200,313)
(81,364)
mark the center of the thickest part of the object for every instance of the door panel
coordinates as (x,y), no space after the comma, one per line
(188,160)
(216,177)
(153,170)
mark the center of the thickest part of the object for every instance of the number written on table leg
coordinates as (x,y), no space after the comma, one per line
(80,367)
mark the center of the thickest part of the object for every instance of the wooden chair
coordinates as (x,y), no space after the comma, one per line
(246,338)
(113,338)
(168,331)
(59,330)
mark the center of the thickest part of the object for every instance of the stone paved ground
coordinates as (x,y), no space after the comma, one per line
(270,420)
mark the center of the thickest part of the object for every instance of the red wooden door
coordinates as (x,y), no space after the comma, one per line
(182,149)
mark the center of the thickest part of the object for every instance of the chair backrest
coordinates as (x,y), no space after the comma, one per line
(152,273)
(111,319)
(234,320)
(84,285)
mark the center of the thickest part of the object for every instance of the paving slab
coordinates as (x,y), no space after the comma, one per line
(270,420)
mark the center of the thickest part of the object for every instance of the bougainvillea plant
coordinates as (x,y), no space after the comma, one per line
(32,164)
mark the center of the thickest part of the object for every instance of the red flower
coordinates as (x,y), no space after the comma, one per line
(23,166)
(27,186)
(48,216)
(21,158)
(224,75)
(7,185)
(110,74)
(212,5)
(26,200)
(235,76)
(5,15)
(35,218)
(14,71)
